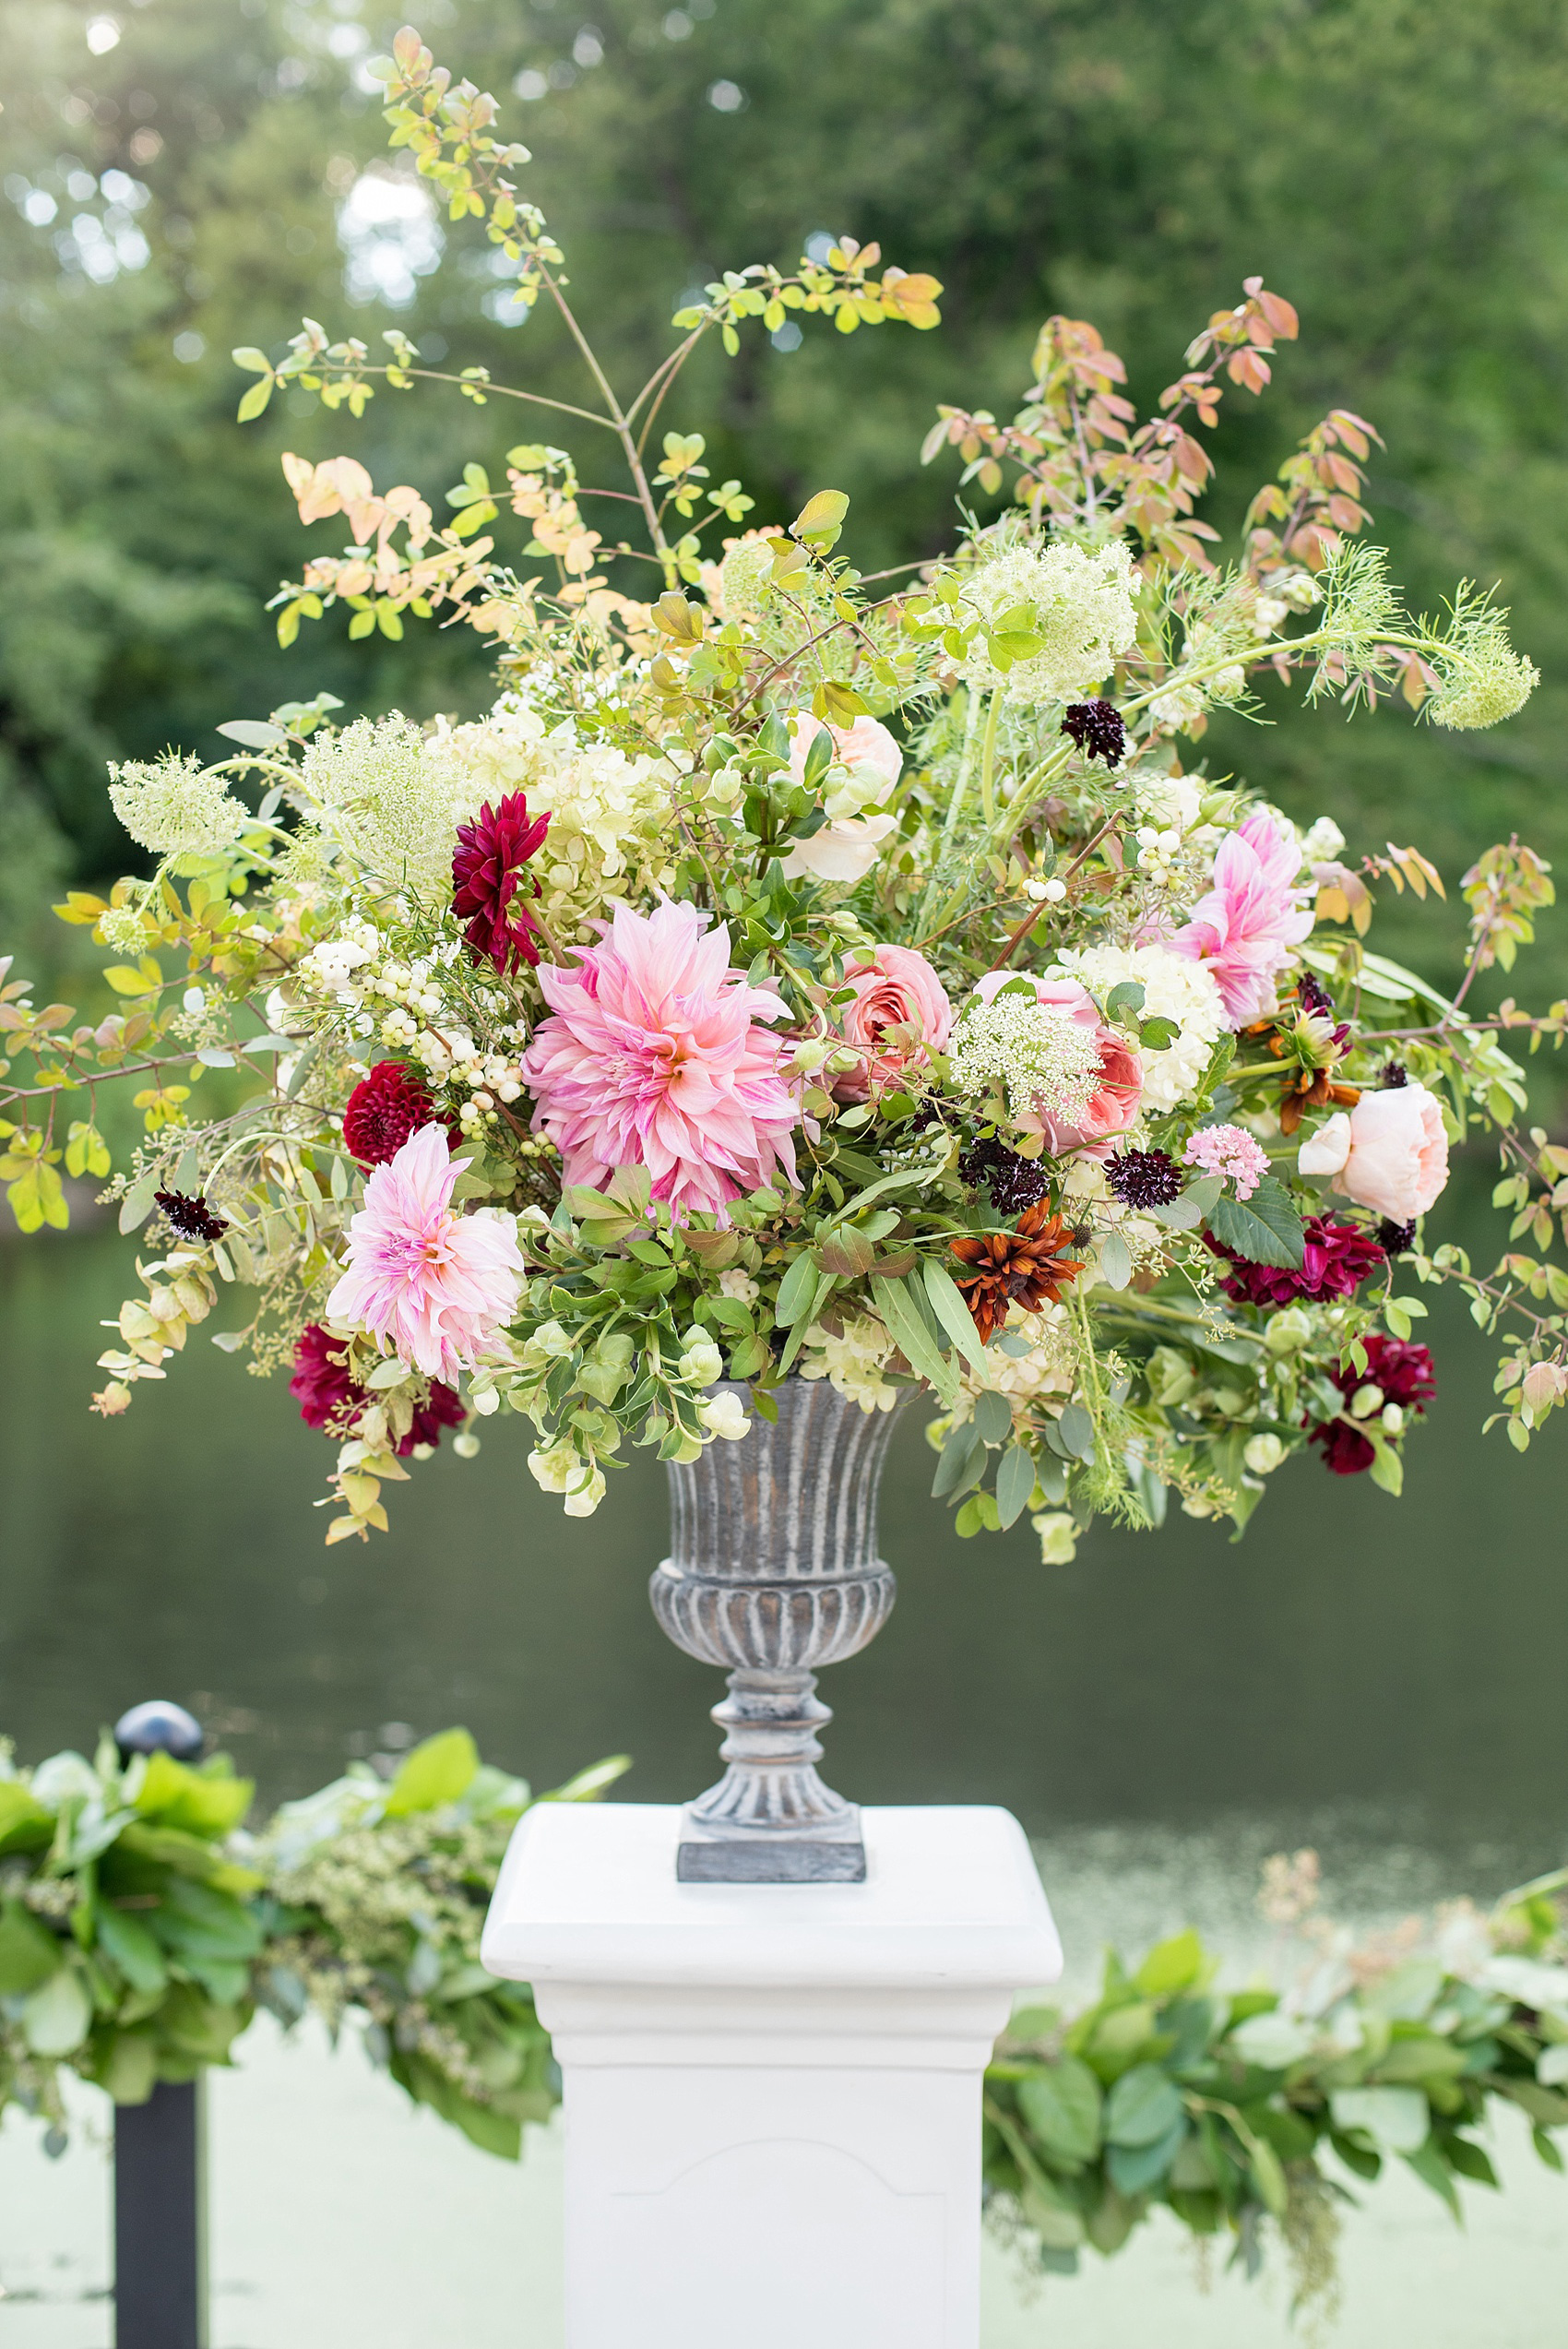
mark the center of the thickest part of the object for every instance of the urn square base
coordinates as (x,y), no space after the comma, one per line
(772,2090)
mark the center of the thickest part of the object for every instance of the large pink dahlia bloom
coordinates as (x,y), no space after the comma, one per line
(433,1284)
(651,1057)
(1252,917)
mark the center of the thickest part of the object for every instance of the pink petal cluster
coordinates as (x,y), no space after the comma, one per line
(1390,1153)
(434,1284)
(1252,917)
(651,1057)
(900,1015)
(1113,1107)
(866,743)
(1230,1150)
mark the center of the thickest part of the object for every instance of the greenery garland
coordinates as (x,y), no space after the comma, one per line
(142,1929)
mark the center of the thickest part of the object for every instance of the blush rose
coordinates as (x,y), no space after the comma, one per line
(1390,1153)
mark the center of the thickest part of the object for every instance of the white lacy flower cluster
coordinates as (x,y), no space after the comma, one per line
(1080,604)
(1485,682)
(356,968)
(853,1359)
(394,797)
(177,807)
(1174,988)
(610,834)
(1043,1058)
(1046,1366)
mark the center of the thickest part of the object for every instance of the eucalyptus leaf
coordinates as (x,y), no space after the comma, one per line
(1015,1483)
(993,1416)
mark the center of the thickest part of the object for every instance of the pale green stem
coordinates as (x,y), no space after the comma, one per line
(988,761)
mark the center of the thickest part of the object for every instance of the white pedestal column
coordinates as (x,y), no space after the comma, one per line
(772,2091)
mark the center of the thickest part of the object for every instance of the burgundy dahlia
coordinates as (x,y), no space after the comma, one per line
(1337,1259)
(1144,1177)
(1098,729)
(490,887)
(1013,1182)
(384,1110)
(1405,1374)
(192,1218)
(330,1400)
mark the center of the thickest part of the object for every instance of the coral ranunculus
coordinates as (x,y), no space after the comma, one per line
(1390,1152)
(899,1016)
(653,1058)
(490,886)
(1244,928)
(435,1285)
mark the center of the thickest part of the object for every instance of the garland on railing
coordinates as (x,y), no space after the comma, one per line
(141,1930)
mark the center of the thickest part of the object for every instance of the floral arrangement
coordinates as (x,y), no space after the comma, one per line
(801,972)
(142,1929)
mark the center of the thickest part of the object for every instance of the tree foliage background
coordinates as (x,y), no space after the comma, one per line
(185,175)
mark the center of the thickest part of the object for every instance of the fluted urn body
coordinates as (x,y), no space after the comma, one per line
(774,1572)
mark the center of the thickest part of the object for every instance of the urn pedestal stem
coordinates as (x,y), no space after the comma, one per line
(773,1571)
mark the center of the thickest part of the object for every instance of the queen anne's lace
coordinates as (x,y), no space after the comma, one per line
(1081,604)
(176,808)
(1044,1059)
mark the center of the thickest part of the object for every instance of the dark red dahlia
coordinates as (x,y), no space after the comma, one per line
(383,1110)
(1337,1259)
(1405,1374)
(1098,729)
(191,1217)
(330,1400)
(490,886)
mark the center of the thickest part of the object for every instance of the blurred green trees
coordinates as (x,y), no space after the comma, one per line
(1397,170)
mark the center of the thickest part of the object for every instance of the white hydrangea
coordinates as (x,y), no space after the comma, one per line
(176,808)
(1174,988)
(1037,1051)
(1081,604)
(853,1360)
(1178,708)
(1050,1367)
(393,796)
(610,822)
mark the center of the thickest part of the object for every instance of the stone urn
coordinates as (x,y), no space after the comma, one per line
(774,1572)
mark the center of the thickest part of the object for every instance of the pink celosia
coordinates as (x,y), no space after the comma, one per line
(1228,1150)
(651,1057)
(1246,926)
(431,1283)
(899,1016)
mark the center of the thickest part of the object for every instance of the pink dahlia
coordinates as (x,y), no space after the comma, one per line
(431,1283)
(651,1057)
(1252,917)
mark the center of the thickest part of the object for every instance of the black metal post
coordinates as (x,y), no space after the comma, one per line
(159,2229)
(160,2151)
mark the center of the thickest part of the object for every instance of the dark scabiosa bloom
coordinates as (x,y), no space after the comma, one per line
(1098,729)
(1337,1259)
(384,1110)
(1013,1182)
(1403,1374)
(1396,1077)
(1313,996)
(330,1400)
(1396,1239)
(491,887)
(192,1218)
(1144,1177)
